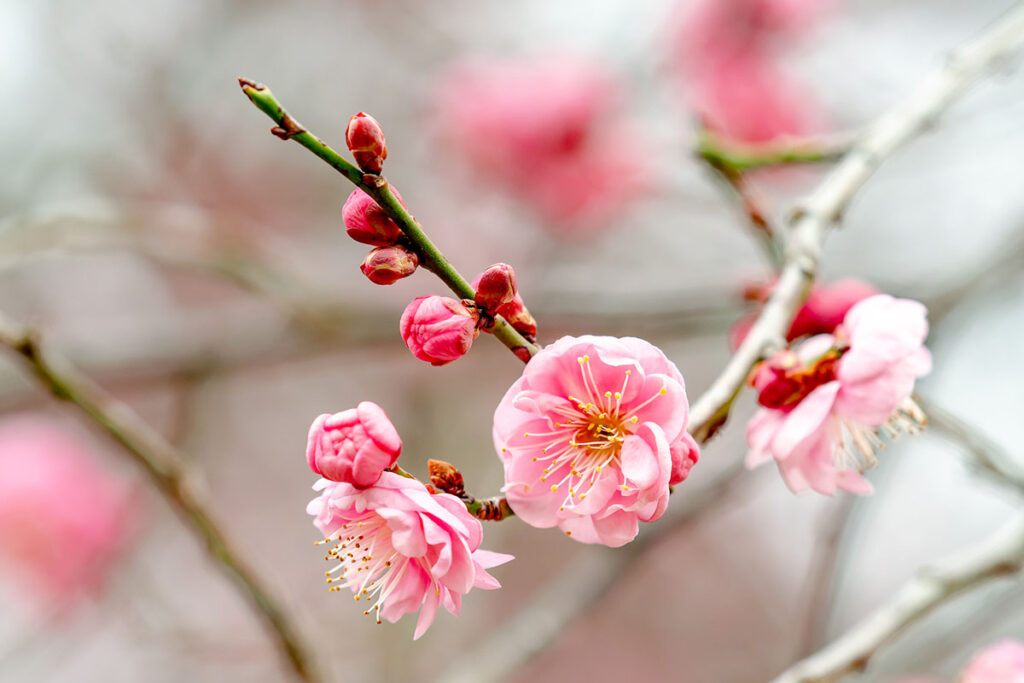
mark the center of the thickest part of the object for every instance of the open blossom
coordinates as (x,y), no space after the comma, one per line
(592,436)
(438,329)
(999,663)
(821,313)
(826,404)
(354,446)
(63,519)
(554,115)
(400,548)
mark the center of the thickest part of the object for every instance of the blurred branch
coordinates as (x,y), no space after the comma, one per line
(826,204)
(829,544)
(767,235)
(569,595)
(1000,555)
(983,453)
(164,466)
(378,188)
(737,157)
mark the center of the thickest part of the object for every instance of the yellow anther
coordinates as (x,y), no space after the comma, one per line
(554,487)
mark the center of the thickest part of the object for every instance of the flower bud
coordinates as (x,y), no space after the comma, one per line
(495,287)
(446,478)
(388,265)
(438,329)
(519,318)
(366,222)
(353,446)
(365,140)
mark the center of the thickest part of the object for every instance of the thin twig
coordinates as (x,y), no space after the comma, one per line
(1000,555)
(826,205)
(829,544)
(739,157)
(163,464)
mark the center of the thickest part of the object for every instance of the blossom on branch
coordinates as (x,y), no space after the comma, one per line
(400,548)
(999,663)
(592,435)
(827,402)
(353,446)
(366,222)
(438,329)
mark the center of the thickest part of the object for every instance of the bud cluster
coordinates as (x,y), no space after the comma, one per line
(498,294)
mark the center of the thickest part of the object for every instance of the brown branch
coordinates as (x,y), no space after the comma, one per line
(163,464)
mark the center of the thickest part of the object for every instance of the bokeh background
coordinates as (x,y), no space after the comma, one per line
(198,268)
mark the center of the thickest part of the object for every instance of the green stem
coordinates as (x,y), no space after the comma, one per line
(739,157)
(377,187)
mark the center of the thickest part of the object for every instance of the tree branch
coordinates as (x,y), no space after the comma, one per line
(825,206)
(1000,555)
(164,466)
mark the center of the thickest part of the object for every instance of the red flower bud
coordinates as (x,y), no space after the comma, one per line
(366,222)
(387,265)
(438,329)
(519,318)
(495,287)
(365,140)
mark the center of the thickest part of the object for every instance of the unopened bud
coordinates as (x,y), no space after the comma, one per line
(387,265)
(366,222)
(495,287)
(438,329)
(519,318)
(365,140)
(446,478)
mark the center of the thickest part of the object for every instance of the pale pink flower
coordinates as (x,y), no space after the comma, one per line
(63,519)
(353,446)
(592,436)
(401,548)
(827,435)
(438,329)
(546,128)
(821,313)
(1002,662)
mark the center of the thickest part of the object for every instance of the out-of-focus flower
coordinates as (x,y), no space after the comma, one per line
(388,265)
(846,390)
(365,140)
(438,329)
(402,549)
(545,128)
(353,446)
(63,519)
(1002,662)
(366,222)
(821,313)
(592,435)
(725,54)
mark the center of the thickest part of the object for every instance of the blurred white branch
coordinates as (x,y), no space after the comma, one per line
(1000,555)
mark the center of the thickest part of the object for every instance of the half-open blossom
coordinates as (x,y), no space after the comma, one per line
(438,329)
(400,548)
(63,519)
(821,313)
(388,265)
(1002,662)
(354,446)
(366,222)
(827,405)
(592,435)
(365,139)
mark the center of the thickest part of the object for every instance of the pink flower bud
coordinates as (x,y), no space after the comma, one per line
(365,140)
(519,318)
(353,446)
(495,287)
(366,222)
(388,265)
(438,329)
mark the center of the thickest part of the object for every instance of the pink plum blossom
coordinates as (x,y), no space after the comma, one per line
(1002,662)
(592,435)
(366,222)
(545,128)
(401,548)
(827,435)
(821,313)
(353,446)
(438,329)
(63,519)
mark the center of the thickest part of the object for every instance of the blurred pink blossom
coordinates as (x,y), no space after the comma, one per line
(821,313)
(1002,662)
(828,436)
(592,435)
(63,519)
(353,446)
(438,329)
(545,127)
(401,548)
